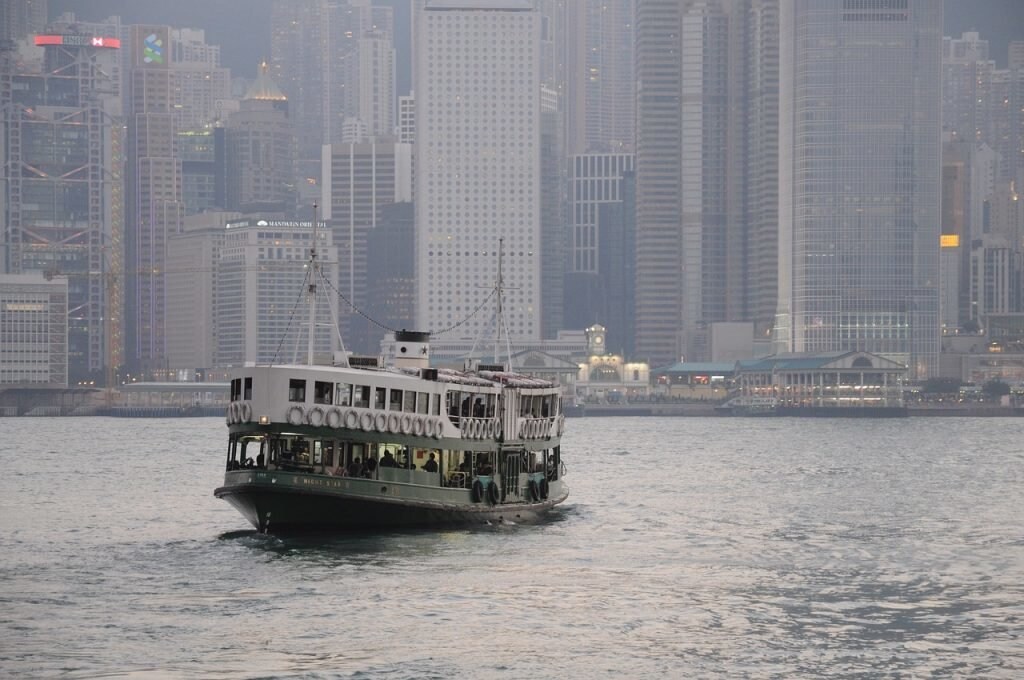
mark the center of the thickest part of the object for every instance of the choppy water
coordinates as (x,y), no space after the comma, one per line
(755,548)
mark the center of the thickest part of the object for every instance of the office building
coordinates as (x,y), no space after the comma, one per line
(859,164)
(261,150)
(359,180)
(34,328)
(477,82)
(260,306)
(61,203)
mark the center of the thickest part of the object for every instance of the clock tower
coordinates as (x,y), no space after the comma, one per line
(596,340)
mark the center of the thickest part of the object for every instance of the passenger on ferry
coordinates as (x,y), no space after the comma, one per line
(388,460)
(431,464)
(371,464)
(478,408)
(355,468)
(261,461)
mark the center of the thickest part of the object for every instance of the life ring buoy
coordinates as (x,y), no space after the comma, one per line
(479,430)
(351,419)
(295,415)
(544,489)
(246,412)
(493,494)
(227,414)
(533,490)
(438,428)
(393,422)
(406,424)
(334,418)
(315,417)
(490,429)
(477,492)
(366,421)
(417,426)
(380,422)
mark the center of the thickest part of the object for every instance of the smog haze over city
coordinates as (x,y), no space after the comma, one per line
(603,339)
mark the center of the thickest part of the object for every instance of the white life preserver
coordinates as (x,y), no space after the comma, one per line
(295,415)
(227,414)
(406,422)
(351,419)
(366,421)
(490,429)
(393,422)
(417,426)
(315,417)
(246,412)
(380,422)
(438,428)
(474,429)
(334,418)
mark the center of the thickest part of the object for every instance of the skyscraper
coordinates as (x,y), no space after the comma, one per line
(359,179)
(601,87)
(261,150)
(699,102)
(477,82)
(859,178)
(61,205)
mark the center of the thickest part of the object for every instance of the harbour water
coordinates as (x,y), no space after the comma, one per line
(689,547)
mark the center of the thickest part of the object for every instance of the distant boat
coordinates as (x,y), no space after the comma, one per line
(360,446)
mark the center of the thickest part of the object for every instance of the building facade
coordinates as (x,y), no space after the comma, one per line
(33,330)
(859,179)
(62,151)
(477,81)
(260,304)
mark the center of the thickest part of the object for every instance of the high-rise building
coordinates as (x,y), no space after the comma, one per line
(261,150)
(61,205)
(859,163)
(359,180)
(20,19)
(601,87)
(192,259)
(553,230)
(165,99)
(154,192)
(705,168)
(300,44)
(377,83)
(477,82)
(262,314)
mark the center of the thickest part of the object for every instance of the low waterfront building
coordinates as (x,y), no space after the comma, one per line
(850,379)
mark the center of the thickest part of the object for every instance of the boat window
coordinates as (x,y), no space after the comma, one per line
(491,404)
(343,394)
(322,392)
(296,390)
(524,405)
(235,388)
(362,396)
(435,408)
(422,403)
(247,395)
(380,398)
(410,402)
(545,406)
(396,400)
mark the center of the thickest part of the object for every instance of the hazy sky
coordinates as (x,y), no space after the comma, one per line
(242,27)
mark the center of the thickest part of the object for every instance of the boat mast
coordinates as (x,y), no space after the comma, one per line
(314,273)
(498,289)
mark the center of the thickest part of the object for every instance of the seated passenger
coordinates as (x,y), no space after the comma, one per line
(388,460)
(355,468)
(431,464)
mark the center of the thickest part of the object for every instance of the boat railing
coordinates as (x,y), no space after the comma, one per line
(478,428)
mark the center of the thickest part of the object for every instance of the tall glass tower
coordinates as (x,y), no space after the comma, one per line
(859,176)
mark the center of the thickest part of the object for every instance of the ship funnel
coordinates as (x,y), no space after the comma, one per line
(412,349)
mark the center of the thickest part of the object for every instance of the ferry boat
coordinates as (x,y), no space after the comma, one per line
(360,445)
